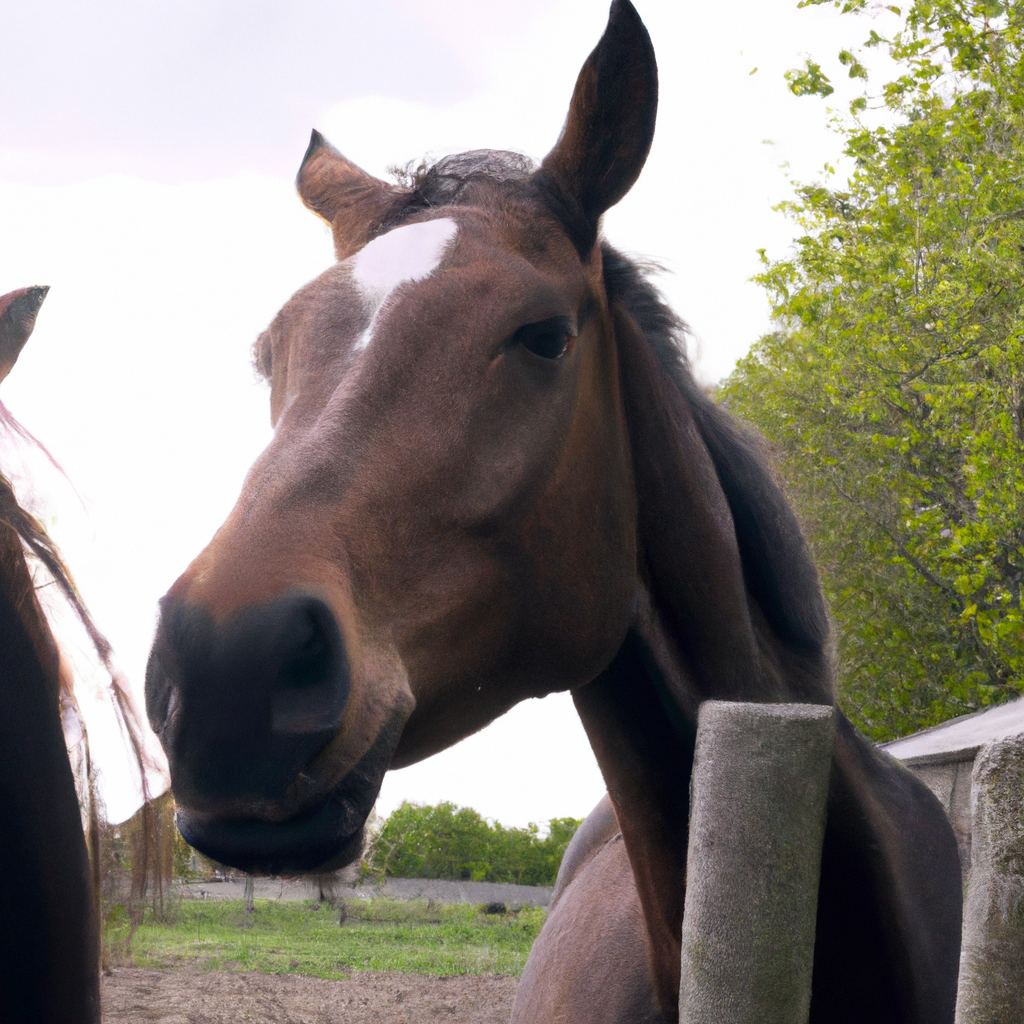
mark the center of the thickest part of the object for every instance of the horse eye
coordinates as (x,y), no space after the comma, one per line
(548,339)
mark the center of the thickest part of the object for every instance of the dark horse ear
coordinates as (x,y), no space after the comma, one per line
(348,198)
(609,130)
(18,311)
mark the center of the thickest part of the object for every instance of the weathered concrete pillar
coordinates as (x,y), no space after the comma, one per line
(757,820)
(992,958)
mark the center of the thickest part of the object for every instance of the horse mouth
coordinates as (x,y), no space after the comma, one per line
(324,838)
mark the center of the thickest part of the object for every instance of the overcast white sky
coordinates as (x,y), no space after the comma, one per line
(147,152)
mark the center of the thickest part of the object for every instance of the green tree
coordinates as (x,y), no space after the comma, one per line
(893,387)
(457,843)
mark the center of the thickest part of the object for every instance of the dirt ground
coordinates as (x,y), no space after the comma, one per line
(134,995)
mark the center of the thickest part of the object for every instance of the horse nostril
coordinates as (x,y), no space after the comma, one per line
(243,704)
(161,695)
(311,686)
(312,659)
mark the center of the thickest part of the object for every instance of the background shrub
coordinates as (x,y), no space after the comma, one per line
(453,842)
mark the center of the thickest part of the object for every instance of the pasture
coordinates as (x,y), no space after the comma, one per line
(289,937)
(297,961)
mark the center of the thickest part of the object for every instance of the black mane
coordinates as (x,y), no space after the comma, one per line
(444,182)
(439,184)
(777,562)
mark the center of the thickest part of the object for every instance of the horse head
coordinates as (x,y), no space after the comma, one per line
(445,521)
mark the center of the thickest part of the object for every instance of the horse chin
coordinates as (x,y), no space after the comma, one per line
(319,839)
(322,839)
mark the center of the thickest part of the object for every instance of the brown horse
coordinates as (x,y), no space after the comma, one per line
(492,477)
(49,963)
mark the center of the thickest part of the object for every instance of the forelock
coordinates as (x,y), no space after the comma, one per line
(442,183)
(445,182)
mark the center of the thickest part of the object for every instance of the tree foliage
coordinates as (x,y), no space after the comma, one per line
(457,843)
(893,386)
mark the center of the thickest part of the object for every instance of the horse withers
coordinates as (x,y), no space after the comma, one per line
(492,477)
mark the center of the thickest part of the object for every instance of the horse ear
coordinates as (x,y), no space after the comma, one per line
(608,133)
(18,311)
(348,198)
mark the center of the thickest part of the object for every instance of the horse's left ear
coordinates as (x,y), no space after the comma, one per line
(348,198)
(18,311)
(608,133)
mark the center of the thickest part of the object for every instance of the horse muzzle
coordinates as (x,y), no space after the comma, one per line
(322,838)
(246,707)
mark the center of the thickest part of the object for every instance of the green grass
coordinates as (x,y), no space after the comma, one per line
(283,937)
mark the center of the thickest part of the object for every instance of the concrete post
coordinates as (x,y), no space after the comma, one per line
(757,820)
(992,957)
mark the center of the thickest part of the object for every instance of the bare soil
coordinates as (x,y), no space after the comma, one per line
(135,995)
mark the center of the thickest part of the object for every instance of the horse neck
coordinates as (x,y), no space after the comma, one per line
(722,553)
(643,739)
(728,607)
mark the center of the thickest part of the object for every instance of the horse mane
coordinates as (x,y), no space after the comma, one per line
(440,183)
(31,540)
(445,182)
(777,563)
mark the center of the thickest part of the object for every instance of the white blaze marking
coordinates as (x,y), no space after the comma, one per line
(409,253)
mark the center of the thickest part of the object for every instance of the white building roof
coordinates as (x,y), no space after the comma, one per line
(959,739)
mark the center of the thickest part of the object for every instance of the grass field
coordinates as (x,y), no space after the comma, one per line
(304,938)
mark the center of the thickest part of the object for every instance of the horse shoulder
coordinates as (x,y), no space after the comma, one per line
(599,826)
(606,979)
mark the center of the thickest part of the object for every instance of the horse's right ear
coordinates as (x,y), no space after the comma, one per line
(348,198)
(18,311)
(608,133)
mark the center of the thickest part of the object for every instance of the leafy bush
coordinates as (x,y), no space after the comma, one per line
(893,386)
(457,843)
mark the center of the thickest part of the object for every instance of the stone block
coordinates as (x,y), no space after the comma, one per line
(757,821)
(991,988)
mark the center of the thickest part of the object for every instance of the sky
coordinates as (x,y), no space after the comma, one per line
(147,154)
